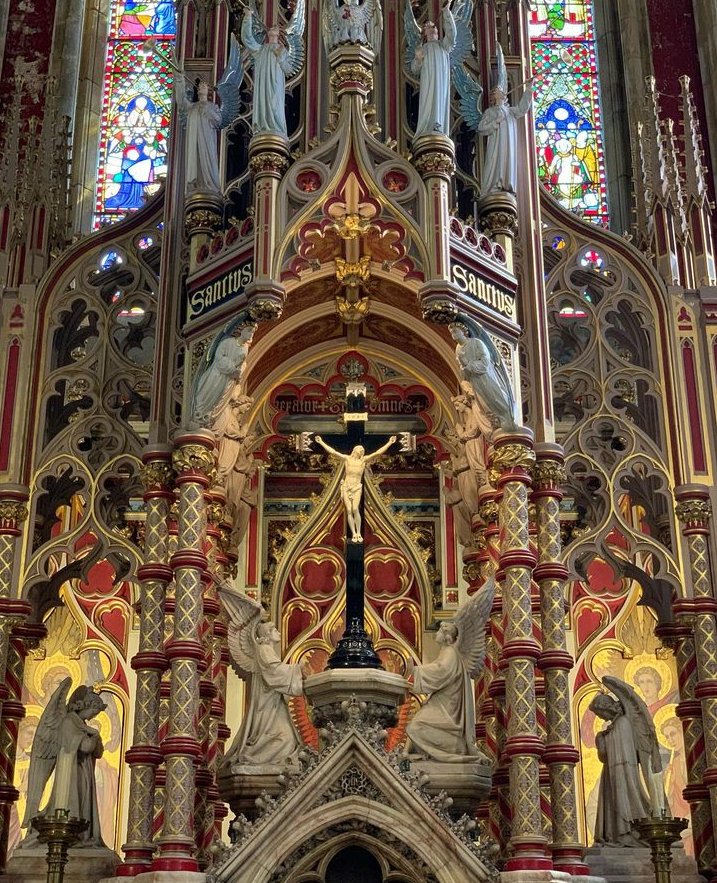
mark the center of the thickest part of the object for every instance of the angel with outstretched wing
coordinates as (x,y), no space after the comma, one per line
(66,745)
(276,57)
(352,22)
(443,729)
(202,119)
(435,60)
(483,370)
(267,735)
(631,784)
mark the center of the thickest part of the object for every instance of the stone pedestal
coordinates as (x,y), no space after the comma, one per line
(332,694)
(241,784)
(87,864)
(546,877)
(466,783)
(159,877)
(634,865)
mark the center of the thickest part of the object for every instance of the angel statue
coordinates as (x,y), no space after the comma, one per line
(631,785)
(203,119)
(484,376)
(267,735)
(352,22)
(275,58)
(221,370)
(499,125)
(443,729)
(66,744)
(432,60)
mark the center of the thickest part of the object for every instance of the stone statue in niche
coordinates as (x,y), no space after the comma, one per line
(484,371)
(352,22)
(235,442)
(355,465)
(202,120)
(443,729)
(471,429)
(275,57)
(65,744)
(218,375)
(432,59)
(499,126)
(631,785)
(267,736)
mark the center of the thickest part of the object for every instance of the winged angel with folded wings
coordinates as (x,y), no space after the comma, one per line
(267,735)
(202,119)
(631,785)
(443,729)
(276,57)
(65,744)
(352,22)
(435,61)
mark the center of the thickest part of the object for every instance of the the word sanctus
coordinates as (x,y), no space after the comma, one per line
(484,291)
(216,293)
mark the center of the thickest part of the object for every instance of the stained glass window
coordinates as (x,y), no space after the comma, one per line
(136,106)
(567,105)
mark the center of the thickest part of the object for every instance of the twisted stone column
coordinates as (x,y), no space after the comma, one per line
(694,510)
(680,636)
(150,661)
(511,464)
(560,755)
(194,462)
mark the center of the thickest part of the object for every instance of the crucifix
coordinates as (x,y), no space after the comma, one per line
(354,649)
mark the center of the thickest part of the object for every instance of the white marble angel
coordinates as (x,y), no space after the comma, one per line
(433,59)
(484,371)
(276,58)
(215,383)
(202,120)
(65,744)
(443,729)
(267,735)
(631,785)
(352,22)
(499,125)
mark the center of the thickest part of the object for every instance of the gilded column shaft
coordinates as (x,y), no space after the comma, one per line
(555,662)
(689,710)
(511,463)
(194,463)
(149,663)
(694,511)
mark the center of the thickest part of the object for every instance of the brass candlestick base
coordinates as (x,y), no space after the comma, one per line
(59,831)
(661,833)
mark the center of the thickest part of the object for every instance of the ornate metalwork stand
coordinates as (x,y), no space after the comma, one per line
(661,834)
(59,831)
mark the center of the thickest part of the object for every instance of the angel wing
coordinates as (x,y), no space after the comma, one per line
(462,48)
(501,73)
(470,92)
(478,331)
(470,621)
(327,24)
(412,34)
(183,95)
(245,616)
(295,39)
(643,729)
(45,747)
(230,84)
(374,27)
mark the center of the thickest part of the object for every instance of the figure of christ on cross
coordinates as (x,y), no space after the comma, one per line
(355,465)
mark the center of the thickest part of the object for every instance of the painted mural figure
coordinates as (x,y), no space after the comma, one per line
(203,120)
(216,380)
(499,125)
(443,729)
(432,58)
(273,61)
(352,22)
(484,371)
(65,744)
(267,735)
(631,784)
(355,465)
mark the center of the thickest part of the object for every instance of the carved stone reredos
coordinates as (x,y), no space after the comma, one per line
(353,781)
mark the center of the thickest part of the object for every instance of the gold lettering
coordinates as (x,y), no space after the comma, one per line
(459,277)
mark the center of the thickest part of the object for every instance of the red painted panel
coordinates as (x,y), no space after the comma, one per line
(693,408)
(8,403)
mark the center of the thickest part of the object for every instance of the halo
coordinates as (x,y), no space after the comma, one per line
(667,712)
(72,667)
(645,660)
